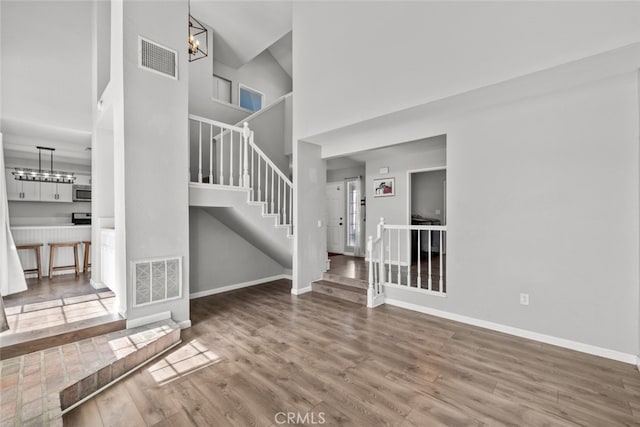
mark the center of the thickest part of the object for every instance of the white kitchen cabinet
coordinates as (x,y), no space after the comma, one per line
(13,189)
(53,192)
(21,190)
(32,191)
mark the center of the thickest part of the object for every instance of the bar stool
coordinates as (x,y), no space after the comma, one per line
(52,250)
(36,247)
(87,249)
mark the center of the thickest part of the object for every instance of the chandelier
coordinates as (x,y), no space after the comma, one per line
(197,31)
(39,175)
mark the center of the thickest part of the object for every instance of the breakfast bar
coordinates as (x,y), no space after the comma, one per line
(46,234)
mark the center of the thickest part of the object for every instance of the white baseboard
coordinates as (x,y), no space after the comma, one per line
(97,285)
(535,336)
(237,286)
(140,321)
(300,291)
(185,324)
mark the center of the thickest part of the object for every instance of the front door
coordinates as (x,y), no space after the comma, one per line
(335,216)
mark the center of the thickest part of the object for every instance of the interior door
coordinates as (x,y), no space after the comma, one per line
(335,217)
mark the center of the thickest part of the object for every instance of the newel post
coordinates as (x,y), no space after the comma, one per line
(246,133)
(370,292)
(381,275)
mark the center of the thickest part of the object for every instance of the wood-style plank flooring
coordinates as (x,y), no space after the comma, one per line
(45,289)
(254,353)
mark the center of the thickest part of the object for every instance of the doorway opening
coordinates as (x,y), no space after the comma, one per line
(427,196)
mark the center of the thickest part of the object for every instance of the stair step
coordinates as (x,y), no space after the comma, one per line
(27,342)
(77,370)
(347,281)
(337,290)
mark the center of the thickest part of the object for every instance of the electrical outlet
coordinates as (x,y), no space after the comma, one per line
(524,299)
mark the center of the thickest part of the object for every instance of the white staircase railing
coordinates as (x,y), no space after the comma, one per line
(228,156)
(396,258)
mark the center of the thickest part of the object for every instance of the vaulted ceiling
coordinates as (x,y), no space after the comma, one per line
(243,30)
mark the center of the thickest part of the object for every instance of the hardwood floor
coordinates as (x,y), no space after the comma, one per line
(268,352)
(357,268)
(45,289)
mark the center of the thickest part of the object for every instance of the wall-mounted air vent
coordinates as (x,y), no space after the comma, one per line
(157,58)
(157,280)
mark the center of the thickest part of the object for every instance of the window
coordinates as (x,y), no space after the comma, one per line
(250,99)
(221,89)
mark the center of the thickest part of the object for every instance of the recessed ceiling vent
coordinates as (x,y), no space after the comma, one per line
(157,58)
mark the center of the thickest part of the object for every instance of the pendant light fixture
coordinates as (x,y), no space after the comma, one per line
(39,175)
(197,31)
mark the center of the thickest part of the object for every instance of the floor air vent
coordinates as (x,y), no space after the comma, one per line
(157,280)
(157,58)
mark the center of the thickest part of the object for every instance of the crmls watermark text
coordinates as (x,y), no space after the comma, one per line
(309,418)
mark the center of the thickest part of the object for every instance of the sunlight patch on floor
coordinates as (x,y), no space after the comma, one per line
(184,361)
(36,316)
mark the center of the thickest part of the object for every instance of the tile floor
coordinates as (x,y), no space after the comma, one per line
(35,388)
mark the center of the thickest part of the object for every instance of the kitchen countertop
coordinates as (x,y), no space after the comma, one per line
(38,227)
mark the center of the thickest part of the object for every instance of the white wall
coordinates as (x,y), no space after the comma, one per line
(380,57)
(270,132)
(310,247)
(262,73)
(201,100)
(46,63)
(102,32)
(531,191)
(155,149)
(341,174)
(394,210)
(219,257)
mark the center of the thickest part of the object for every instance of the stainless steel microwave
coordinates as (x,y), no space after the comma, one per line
(81,193)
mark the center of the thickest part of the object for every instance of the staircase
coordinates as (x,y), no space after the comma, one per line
(233,180)
(344,288)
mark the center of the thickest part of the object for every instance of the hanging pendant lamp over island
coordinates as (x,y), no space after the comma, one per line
(39,175)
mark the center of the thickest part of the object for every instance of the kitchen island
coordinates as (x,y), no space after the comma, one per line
(45,234)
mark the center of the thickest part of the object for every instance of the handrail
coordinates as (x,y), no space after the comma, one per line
(392,262)
(255,171)
(268,160)
(265,109)
(416,227)
(216,123)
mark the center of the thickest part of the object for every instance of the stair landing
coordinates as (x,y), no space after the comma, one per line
(38,387)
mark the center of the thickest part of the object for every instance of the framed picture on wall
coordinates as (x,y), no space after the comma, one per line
(384,187)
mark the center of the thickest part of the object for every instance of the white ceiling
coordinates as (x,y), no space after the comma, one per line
(46,76)
(408,148)
(243,30)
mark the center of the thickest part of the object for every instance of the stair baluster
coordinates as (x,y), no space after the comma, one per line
(210,154)
(200,152)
